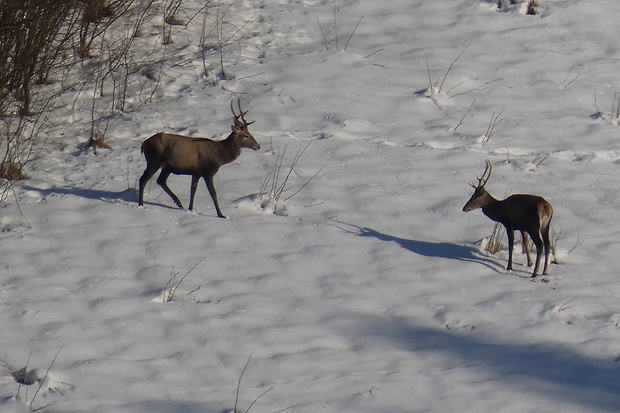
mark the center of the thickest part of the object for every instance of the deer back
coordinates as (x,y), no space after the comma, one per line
(520,211)
(184,154)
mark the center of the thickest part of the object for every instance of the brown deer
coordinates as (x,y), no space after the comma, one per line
(198,157)
(529,214)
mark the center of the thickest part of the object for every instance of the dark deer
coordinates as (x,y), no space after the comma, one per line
(529,214)
(198,157)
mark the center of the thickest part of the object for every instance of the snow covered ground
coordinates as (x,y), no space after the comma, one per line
(369,290)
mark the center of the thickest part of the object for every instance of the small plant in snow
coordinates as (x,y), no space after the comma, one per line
(496,119)
(494,242)
(173,284)
(31,377)
(98,141)
(529,7)
(435,90)
(275,183)
(613,116)
(11,171)
(540,158)
(559,255)
(325,42)
(235,409)
(436,87)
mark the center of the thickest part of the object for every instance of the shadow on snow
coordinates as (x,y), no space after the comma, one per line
(429,249)
(546,369)
(129,195)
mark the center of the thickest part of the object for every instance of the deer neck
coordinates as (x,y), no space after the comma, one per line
(231,148)
(492,207)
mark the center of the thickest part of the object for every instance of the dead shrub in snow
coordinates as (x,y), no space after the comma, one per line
(613,115)
(11,171)
(173,284)
(236,409)
(507,5)
(494,243)
(171,18)
(274,185)
(98,141)
(38,379)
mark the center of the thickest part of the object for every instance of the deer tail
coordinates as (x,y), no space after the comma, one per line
(545,213)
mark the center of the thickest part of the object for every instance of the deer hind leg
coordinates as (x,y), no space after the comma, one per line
(547,244)
(151,168)
(535,235)
(511,240)
(526,248)
(213,193)
(161,180)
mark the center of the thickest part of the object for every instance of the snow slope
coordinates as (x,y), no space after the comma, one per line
(368,291)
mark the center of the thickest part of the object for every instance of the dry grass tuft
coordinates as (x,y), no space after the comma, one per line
(11,171)
(531,8)
(98,141)
(494,244)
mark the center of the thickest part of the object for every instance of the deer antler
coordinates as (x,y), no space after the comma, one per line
(232,108)
(485,175)
(241,112)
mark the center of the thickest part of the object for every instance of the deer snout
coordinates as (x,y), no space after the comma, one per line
(468,207)
(251,143)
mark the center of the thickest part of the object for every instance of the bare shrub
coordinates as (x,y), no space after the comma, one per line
(96,17)
(40,39)
(174,282)
(495,120)
(613,115)
(26,377)
(33,42)
(218,33)
(276,183)
(494,243)
(12,171)
(115,66)
(171,18)
(34,34)
(98,141)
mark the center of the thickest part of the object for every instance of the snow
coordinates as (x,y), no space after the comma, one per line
(369,290)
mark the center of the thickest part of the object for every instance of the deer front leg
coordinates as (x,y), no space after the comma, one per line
(192,193)
(511,240)
(213,193)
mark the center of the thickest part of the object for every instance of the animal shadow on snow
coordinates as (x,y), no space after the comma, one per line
(539,369)
(429,249)
(127,195)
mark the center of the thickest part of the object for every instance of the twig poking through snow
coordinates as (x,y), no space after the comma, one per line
(495,120)
(173,283)
(239,389)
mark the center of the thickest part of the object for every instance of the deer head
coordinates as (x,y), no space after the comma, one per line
(240,128)
(480,197)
